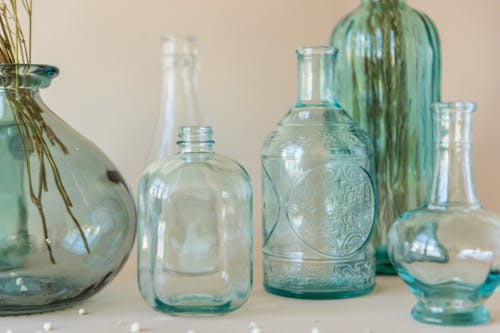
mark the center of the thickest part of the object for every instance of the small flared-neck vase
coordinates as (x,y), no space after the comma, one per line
(319,202)
(448,252)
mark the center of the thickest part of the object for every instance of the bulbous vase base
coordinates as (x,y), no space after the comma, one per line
(438,316)
(35,295)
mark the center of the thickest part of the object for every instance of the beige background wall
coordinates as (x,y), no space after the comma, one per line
(109,53)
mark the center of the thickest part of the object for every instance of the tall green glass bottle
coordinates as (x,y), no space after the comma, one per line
(390,60)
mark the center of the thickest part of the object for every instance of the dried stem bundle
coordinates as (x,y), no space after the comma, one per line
(35,134)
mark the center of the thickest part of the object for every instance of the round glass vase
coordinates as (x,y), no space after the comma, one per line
(448,252)
(68,219)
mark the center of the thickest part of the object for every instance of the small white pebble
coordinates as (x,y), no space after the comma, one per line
(23,288)
(121,322)
(315,330)
(20,281)
(13,274)
(47,326)
(82,311)
(190,331)
(9,331)
(252,325)
(255,330)
(135,327)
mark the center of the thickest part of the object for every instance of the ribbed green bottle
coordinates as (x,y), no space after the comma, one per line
(390,61)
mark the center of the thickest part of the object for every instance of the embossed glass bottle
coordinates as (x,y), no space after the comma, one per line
(448,251)
(318,198)
(390,60)
(195,230)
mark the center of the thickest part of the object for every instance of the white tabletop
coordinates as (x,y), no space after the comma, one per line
(386,310)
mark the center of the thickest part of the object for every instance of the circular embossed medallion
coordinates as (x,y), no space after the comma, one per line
(331,207)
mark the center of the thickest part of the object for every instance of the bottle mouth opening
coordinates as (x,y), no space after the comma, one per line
(195,134)
(317,50)
(454,107)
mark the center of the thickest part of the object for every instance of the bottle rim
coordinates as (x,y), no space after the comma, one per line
(317,50)
(193,134)
(454,107)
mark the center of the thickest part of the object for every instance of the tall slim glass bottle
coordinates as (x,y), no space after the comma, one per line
(179,99)
(390,60)
(318,196)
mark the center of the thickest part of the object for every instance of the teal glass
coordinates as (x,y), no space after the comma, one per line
(390,73)
(318,197)
(448,252)
(30,282)
(195,230)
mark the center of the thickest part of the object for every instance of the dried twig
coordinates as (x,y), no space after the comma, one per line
(35,134)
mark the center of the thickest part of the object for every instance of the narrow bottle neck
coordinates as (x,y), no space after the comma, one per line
(195,147)
(453,185)
(195,139)
(315,76)
(180,79)
(180,86)
(179,94)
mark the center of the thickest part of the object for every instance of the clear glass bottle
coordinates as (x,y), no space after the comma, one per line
(67,217)
(318,197)
(390,59)
(179,94)
(195,230)
(448,252)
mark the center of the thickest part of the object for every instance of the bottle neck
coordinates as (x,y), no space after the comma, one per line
(453,185)
(179,97)
(195,139)
(180,81)
(315,76)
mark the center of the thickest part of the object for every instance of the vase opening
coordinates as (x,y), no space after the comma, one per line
(26,76)
(195,139)
(315,76)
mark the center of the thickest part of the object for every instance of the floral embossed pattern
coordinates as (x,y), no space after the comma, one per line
(315,277)
(331,208)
